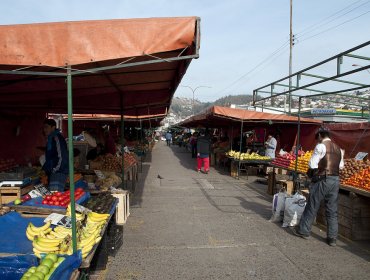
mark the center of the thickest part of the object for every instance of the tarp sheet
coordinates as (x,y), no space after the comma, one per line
(218,115)
(352,137)
(86,41)
(13,267)
(13,233)
(145,88)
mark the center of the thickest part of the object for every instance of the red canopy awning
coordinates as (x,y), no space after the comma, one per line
(136,64)
(217,116)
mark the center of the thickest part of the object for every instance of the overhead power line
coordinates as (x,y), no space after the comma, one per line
(333,27)
(257,66)
(323,21)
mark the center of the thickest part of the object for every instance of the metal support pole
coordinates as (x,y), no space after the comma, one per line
(240,146)
(122,144)
(70,157)
(290,56)
(231,139)
(298,138)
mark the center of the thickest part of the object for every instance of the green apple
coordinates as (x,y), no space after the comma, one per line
(52,256)
(17,201)
(43,268)
(32,269)
(48,262)
(39,274)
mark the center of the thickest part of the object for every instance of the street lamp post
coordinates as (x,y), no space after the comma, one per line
(193,91)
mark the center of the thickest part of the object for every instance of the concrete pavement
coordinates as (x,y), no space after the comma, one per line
(190,225)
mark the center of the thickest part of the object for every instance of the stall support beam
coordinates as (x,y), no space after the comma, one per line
(240,146)
(70,158)
(295,176)
(122,143)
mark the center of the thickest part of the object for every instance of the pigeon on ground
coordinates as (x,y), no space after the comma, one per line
(159,177)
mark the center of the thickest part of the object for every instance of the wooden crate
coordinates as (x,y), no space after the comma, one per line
(353,216)
(9,194)
(123,207)
(284,184)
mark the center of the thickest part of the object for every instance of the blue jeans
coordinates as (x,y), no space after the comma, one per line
(327,190)
(57,181)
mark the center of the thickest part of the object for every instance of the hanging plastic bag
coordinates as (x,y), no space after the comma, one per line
(294,207)
(278,207)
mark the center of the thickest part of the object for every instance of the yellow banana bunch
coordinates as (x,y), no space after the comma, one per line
(96,217)
(45,247)
(33,231)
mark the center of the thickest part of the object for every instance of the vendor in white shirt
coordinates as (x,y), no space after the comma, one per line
(270,146)
(324,164)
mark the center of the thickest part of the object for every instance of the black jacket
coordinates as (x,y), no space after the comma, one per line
(203,145)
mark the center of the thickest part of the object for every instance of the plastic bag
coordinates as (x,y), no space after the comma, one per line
(294,207)
(278,207)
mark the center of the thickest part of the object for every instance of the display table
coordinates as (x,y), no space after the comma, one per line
(355,190)
(244,165)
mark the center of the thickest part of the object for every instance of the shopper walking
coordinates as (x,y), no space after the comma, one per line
(168,138)
(324,165)
(193,145)
(203,150)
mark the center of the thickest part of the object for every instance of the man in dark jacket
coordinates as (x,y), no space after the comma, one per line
(56,157)
(203,150)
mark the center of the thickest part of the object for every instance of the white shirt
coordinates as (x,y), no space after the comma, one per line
(271,147)
(319,152)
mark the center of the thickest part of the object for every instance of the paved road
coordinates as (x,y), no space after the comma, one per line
(198,226)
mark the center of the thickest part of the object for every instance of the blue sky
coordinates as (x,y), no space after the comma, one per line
(237,35)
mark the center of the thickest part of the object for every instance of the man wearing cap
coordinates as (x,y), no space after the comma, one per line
(324,165)
(56,156)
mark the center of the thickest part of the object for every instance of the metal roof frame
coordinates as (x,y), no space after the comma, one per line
(269,88)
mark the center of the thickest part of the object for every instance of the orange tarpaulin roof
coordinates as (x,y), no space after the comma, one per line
(78,42)
(217,112)
(130,64)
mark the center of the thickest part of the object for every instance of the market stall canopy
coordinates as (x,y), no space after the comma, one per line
(137,121)
(136,63)
(217,116)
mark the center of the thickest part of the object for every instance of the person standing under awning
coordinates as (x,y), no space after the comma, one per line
(56,156)
(270,145)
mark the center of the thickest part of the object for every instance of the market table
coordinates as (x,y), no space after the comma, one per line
(244,165)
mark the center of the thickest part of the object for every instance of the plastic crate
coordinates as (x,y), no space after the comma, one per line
(100,260)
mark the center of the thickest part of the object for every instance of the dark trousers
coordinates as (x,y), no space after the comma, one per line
(193,151)
(168,142)
(327,190)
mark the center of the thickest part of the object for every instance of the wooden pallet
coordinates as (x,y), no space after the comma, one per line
(34,211)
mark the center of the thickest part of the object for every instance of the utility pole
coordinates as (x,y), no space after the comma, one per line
(290,57)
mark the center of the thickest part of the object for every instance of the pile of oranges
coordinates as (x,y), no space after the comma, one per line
(359,180)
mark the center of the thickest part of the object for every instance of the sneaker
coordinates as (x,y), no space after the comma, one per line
(331,241)
(206,172)
(198,170)
(296,232)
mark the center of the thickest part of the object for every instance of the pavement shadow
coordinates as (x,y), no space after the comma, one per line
(137,195)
